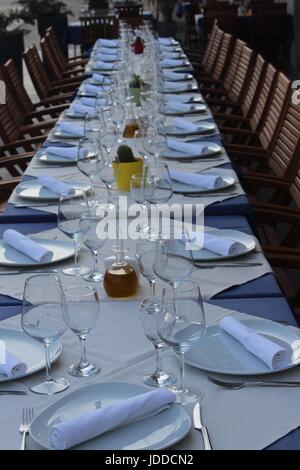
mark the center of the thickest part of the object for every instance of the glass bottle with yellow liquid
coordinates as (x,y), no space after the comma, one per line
(132,123)
(120,279)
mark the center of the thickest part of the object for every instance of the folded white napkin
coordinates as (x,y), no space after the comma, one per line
(103,65)
(71,129)
(65,152)
(27,246)
(194,179)
(92,102)
(173,105)
(172,63)
(186,125)
(99,78)
(106,57)
(166,41)
(174,86)
(173,76)
(107,50)
(187,147)
(171,55)
(272,354)
(108,42)
(56,186)
(182,98)
(10,365)
(222,246)
(80,109)
(93,423)
(92,89)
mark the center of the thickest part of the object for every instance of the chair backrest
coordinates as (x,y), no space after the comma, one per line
(37,72)
(94,27)
(242,75)
(222,58)
(9,130)
(263,98)
(252,92)
(57,50)
(277,107)
(285,156)
(295,189)
(129,10)
(13,105)
(214,51)
(234,63)
(50,60)
(13,80)
(209,44)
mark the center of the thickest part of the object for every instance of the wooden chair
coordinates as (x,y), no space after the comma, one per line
(199,59)
(94,27)
(204,69)
(14,167)
(53,69)
(40,110)
(45,88)
(65,64)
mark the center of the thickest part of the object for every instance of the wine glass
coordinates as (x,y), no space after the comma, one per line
(43,319)
(107,173)
(117,113)
(109,138)
(137,192)
(87,159)
(173,257)
(158,185)
(82,313)
(70,210)
(181,325)
(93,240)
(160,142)
(145,253)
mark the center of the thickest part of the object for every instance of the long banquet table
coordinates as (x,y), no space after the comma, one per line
(119,345)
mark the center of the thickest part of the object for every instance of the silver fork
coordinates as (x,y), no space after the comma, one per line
(262,383)
(27,417)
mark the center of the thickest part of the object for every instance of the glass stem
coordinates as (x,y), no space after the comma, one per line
(76,248)
(182,373)
(144,223)
(48,363)
(159,368)
(95,261)
(92,188)
(83,359)
(152,283)
(108,193)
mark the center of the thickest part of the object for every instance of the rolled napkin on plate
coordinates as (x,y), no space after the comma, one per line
(194,179)
(10,365)
(71,129)
(81,109)
(173,63)
(174,105)
(222,246)
(174,76)
(175,86)
(56,186)
(272,354)
(166,41)
(185,125)
(92,89)
(27,246)
(92,102)
(99,78)
(106,57)
(107,50)
(182,98)
(188,148)
(171,55)
(103,65)
(65,152)
(94,423)
(108,42)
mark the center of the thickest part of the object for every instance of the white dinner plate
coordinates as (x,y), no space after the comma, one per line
(156,432)
(179,187)
(220,353)
(10,257)
(213,149)
(34,190)
(204,255)
(58,134)
(181,88)
(204,127)
(43,157)
(184,64)
(194,109)
(30,351)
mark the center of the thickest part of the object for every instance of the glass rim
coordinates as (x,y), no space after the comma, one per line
(90,290)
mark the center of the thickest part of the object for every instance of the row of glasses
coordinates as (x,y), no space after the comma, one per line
(48,311)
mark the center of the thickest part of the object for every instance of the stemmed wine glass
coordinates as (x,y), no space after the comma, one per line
(82,313)
(109,139)
(137,192)
(181,325)
(87,159)
(89,224)
(43,319)
(70,210)
(107,173)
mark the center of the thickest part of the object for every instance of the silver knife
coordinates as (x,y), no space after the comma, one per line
(199,426)
(27,271)
(12,392)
